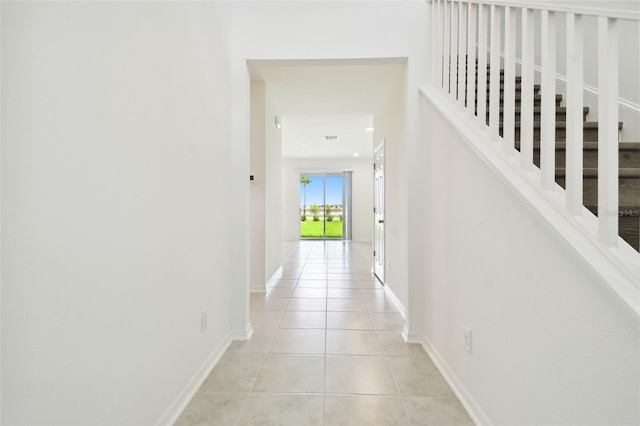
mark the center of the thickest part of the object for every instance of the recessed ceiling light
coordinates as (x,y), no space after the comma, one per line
(369,129)
(355,154)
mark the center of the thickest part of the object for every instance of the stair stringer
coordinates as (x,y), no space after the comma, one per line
(617,267)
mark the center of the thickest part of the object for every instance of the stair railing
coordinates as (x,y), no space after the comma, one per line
(469,32)
(460,33)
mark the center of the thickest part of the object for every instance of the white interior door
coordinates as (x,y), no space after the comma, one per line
(378,216)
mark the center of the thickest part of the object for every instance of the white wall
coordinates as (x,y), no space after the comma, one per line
(551,344)
(266,148)
(273,214)
(390,126)
(115,172)
(257,188)
(362,199)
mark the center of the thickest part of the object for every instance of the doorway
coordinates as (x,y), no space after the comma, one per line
(325,205)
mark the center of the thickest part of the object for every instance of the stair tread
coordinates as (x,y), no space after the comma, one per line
(518,85)
(539,109)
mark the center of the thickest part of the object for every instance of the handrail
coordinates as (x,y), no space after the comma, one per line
(626,15)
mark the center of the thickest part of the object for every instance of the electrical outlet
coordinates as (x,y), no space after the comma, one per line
(466,339)
(388,264)
(204,319)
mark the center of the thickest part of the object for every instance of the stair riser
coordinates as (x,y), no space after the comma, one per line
(560,116)
(536,88)
(536,102)
(628,191)
(589,135)
(536,91)
(626,159)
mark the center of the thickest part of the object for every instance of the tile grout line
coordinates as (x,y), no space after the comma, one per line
(326,279)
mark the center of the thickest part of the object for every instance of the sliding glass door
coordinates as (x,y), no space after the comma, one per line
(323,209)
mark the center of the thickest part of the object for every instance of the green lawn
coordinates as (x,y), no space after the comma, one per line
(311,229)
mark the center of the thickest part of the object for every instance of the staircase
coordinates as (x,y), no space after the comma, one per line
(629,161)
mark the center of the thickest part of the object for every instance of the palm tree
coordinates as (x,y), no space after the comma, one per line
(304,180)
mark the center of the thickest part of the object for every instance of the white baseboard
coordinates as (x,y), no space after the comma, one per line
(178,405)
(184,397)
(242,334)
(259,288)
(476,412)
(275,277)
(396,302)
(413,337)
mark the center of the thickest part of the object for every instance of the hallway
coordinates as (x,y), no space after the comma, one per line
(326,349)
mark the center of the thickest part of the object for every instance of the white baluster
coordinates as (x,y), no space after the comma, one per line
(548,103)
(575,126)
(509,107)
(462,53)
(472,15)
(447,47)
(526,89)
(482,64)
(435,56)
(440,42)
(453,76)
(494,88)
(608,131)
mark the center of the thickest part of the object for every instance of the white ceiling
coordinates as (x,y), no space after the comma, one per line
(304,136)
(318,98)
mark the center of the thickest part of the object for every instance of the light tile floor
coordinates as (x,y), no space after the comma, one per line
(326,350)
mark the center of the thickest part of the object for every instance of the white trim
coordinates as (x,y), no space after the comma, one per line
(617,267)
(622,102)
(240,334)
(412,337)
(467,400)
(275,277)
(178,405)
(629,112)
(183,398)
(270,283)
(396,302)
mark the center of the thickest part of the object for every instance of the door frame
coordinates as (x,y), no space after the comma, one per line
(379,248)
